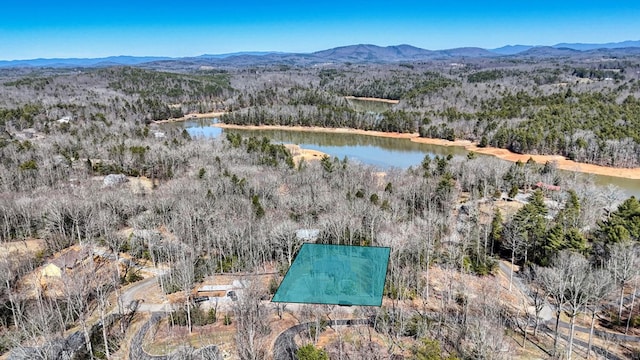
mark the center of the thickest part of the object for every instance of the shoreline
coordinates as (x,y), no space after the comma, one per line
(388,101)
(504,154)
(300,154)
(191,117)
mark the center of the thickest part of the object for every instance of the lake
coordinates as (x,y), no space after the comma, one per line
(382,152)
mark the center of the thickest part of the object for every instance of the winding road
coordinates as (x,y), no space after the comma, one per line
(134,297)
(548,321)
(284,348)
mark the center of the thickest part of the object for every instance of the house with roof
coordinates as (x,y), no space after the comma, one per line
(65,262)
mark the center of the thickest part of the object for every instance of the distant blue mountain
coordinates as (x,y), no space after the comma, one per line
(242,53)
(549,52)
(72,62)
(351,53)
(368,52)
(517,49)
(587,47)
(374,53)
(511,49)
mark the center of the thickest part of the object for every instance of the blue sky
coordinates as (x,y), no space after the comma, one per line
(47,29)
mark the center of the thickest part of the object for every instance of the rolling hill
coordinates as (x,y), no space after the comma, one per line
(360,53)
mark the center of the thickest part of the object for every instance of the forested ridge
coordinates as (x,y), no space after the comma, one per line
(586,111)
(84,170)
(566,110)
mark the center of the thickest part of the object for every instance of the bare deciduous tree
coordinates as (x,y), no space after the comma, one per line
(600,286)
(623,265)
(554,283)
(577,273)
(251,319)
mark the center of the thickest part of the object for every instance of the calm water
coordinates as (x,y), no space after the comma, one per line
(372,150)
(381,152)
(378,151)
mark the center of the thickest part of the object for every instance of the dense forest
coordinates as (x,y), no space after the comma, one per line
(84,169)
(565,109)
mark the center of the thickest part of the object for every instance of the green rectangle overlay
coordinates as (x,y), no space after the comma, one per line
(335,274)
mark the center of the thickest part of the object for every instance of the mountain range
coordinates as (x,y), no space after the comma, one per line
(353,53)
